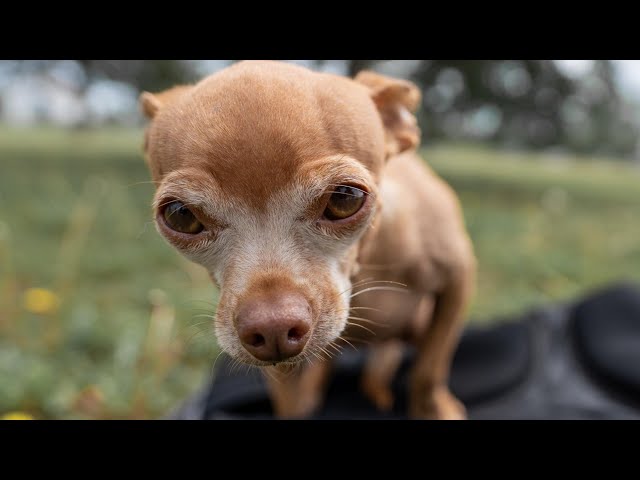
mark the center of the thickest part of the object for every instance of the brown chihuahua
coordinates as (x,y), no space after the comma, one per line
(295,188)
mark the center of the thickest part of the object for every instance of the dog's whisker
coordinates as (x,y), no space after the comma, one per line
(358,283)
(213,367)
(144,229)
(198,324)
(348,342)
(371,280)
(371,289)
(206,323)
(307,358)
(329,354)
(236,366)
(187,302)
(230,367)
(194,336)
(366,320)
(211,316)
(368,281)
(371,322)
(334,352)
(240,366)
(357,340)
(362,327)
(391,281)
(363,280)
(204,315)
(199,330)
(191,341)
(203,309)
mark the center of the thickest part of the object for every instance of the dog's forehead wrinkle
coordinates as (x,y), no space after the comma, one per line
(237,122)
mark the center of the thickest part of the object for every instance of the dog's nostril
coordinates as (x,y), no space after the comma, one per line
(295,334)
(257,340)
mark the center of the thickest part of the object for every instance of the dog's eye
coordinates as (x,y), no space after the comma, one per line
(181,219)
(344,202)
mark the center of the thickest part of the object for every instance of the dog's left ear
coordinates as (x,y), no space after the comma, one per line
(151,103)
(396,100)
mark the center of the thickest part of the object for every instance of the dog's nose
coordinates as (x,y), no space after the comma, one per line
(273,328)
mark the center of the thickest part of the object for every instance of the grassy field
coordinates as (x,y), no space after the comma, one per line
(99,318)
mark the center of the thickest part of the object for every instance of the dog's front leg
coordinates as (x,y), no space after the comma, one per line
(379,370)
(299,392)
(430,397)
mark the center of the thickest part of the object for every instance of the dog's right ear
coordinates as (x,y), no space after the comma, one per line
(151,103)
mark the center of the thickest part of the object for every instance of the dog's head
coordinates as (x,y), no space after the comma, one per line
(267,175)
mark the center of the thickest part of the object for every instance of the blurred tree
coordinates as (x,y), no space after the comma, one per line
(528,103)
(521,103)
(152,75)
(515,103)
(79,74)
(608,121)
(76,77)
(512,102)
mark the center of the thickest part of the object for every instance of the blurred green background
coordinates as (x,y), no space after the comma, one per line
(100,318)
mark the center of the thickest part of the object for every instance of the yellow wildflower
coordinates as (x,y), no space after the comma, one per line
(16,416)
(40,300)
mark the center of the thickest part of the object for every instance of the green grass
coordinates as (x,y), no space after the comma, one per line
(545,228)
(128,339)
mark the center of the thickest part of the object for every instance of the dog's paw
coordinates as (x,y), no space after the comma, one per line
(438,404)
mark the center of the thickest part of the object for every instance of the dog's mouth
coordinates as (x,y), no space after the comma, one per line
(285,364)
